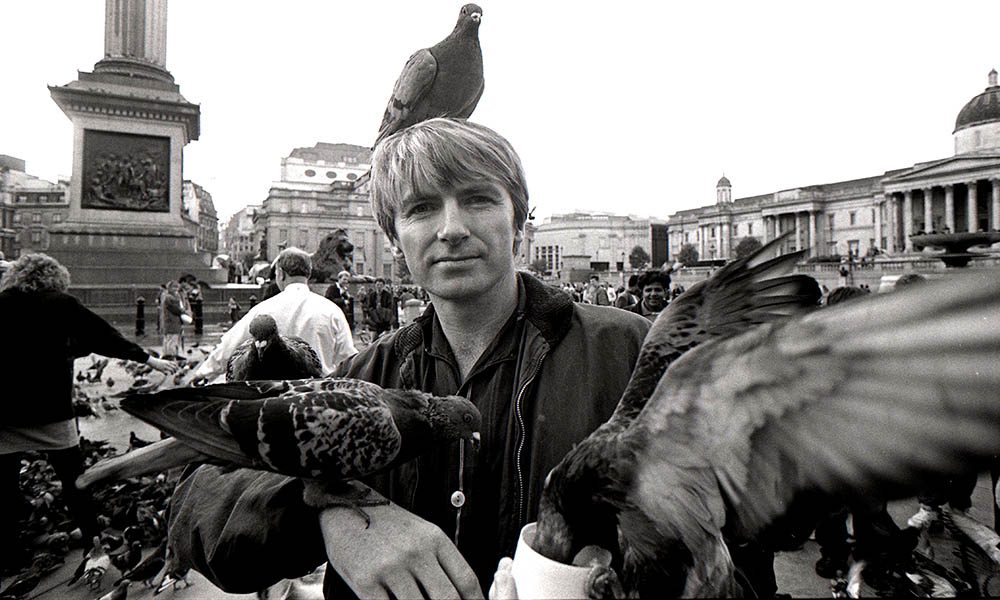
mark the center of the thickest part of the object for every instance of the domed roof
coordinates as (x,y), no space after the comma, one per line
(724,182)
(984,108)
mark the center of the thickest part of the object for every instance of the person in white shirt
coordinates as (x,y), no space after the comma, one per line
(298,311)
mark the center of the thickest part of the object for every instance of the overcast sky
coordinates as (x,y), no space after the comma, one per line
(628,107)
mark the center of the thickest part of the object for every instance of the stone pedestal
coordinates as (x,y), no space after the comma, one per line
(130,126)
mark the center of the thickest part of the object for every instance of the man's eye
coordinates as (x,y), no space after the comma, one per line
(419,208)
(479,199)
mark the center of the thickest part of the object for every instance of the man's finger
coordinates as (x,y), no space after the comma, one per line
(404,586)
(460,573)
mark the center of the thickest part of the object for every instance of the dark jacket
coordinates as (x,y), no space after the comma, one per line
(566,381)
(44,332)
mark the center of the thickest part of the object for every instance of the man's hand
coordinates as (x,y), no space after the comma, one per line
(164,366)
(399,555)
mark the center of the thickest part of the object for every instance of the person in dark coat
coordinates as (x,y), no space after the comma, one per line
(45,329)
(451,196)
(380,308)
(340,294)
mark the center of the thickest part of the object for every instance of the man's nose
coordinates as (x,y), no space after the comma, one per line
(453,227)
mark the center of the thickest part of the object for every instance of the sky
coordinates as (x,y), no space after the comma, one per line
(627,107)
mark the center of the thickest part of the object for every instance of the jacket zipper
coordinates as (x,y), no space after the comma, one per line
(521,517)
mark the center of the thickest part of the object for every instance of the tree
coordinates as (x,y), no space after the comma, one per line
(688,254)
(638,258)
(747,246)
(540,266)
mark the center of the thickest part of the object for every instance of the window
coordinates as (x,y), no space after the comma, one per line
(310,173)
(17,217)
(331,174)
(36,217)
(351,176)
(749,228)
(282,236)
(303,238)
(852,217)
(736,230)
(830,221)
(43,198)
(36,237)
(56,218)
(387,270)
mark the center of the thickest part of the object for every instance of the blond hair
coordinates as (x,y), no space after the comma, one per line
(439,153)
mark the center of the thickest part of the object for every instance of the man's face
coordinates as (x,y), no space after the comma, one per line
(654,296)
(343,280)
(379,286)
(459,241)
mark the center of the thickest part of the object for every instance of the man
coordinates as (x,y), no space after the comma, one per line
(451,197)
(654,286)
(380,308)
(297,310)
(340,294)
(631,294)
(595,294)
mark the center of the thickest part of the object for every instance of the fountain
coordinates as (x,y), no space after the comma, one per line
(955,248)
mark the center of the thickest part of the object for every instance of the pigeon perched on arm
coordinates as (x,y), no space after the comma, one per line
(270,355)
(868,397)
(330,430)
(445,80)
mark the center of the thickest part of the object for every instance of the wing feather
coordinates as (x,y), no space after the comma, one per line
(416,78)
(871,395)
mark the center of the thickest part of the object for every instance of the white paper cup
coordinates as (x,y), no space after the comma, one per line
(539,577)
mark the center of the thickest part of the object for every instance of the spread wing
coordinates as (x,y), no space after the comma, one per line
(749,291)
(417,77)
(872,395)
(327,428)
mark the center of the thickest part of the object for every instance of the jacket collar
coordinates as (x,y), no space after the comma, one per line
(549,309)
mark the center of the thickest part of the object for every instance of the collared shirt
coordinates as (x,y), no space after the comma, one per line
(648,313)
(299,313)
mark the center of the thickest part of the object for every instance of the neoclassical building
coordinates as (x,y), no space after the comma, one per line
(596,242)
(955,194)
(324,188)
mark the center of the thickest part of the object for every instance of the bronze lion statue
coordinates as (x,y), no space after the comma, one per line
(335,254)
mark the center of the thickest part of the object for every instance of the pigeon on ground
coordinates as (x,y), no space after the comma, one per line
(270,355)
(330,430)
(445,80)
(174,574)
(869,397)
(23,584)
(147,570)
(128,557)
(93,567)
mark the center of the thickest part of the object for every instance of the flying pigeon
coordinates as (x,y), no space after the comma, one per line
(445,80)
(270,355)
(871,396)
(330,430)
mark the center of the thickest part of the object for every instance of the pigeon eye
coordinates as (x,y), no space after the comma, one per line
(467,418)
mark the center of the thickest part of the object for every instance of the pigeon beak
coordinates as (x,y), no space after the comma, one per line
(476,440)
(477,17)
(260,345)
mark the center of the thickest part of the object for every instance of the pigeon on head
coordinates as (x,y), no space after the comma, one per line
(445,80)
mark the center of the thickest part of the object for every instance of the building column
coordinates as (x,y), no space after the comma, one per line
(995,206)
(972,207)
(928,209)
(891,221)
(908,219)
(812,233)
(879,207)
(949,208)
(725,242)
(798,231)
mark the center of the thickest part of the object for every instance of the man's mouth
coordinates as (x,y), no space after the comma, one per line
(455,259)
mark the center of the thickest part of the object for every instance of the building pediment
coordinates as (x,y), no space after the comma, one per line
(950,171)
